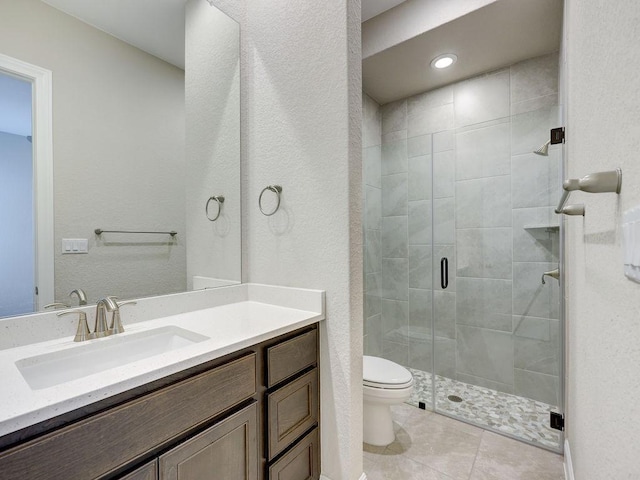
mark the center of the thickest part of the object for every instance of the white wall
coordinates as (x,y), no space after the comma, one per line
(212,96)
(16,217)
(118,151)
(603,306)
(303,90)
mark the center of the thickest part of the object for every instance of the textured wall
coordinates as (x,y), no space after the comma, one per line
(304,121)
(118,138)
(603,306)
(212,109)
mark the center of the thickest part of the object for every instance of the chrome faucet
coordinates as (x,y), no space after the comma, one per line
(100,329)
(551,273)
(82,297)
(107,304)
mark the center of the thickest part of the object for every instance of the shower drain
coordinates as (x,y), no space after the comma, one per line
(454,398)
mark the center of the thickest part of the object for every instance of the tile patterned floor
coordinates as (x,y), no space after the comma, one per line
(518,416)
(429,446)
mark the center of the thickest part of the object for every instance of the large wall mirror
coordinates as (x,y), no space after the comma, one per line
(145,129)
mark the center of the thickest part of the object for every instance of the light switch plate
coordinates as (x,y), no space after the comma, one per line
(631,243)
(75,245)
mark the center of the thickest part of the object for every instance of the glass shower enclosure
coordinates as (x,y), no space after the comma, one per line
(459,229)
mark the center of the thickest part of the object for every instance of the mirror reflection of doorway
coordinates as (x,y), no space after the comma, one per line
(26,198)
(17,240)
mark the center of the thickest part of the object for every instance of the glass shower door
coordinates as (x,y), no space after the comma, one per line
(497,330)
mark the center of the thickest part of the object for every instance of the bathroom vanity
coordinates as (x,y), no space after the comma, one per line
(246,408)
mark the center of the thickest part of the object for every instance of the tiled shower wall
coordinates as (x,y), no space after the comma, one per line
(496,325)
(372,195)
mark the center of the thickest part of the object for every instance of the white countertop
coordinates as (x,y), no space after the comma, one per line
(229,327)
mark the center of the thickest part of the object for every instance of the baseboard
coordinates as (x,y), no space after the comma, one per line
(362,477)
(568,464)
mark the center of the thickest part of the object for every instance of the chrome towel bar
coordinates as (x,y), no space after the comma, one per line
(99,231)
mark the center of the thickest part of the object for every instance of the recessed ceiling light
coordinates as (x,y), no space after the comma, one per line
(444,61)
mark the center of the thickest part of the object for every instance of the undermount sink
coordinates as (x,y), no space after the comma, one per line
(94,356)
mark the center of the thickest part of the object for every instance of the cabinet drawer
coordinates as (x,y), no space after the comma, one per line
(226,451)
(292,410)
(130,430)
(291,356)
(301,463)
(148,471)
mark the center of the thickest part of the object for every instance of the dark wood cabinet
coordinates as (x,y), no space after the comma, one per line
(225,451)
(289,357)
(244,416)
(302,462)
(293,409)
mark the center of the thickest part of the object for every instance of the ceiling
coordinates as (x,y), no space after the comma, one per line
(372,8)
(155,26)
(497,35)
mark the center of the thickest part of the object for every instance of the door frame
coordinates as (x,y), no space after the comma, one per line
(42,115)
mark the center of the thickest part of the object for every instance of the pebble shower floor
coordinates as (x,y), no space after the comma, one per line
(522,417)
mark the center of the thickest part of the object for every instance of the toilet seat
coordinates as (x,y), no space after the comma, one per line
(382,373)
(387,386)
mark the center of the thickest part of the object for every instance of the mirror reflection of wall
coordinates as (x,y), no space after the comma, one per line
(119,147)
(212,86)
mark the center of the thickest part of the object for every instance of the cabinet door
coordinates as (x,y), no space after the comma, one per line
(148,471)
(293,409)
(302,462)
(226,451)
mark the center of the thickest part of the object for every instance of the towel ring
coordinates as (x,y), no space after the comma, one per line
(219,200)
(277,189)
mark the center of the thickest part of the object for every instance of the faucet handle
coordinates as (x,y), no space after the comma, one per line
(56,305)
(128,302)
(83,332)
(116,321)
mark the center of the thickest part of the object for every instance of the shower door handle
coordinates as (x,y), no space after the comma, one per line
(444,272)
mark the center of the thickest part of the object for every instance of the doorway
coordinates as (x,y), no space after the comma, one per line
(26,188)
(17,244)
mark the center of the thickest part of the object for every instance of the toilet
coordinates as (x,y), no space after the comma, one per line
(384,383)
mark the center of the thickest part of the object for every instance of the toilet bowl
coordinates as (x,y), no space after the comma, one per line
(384,383)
